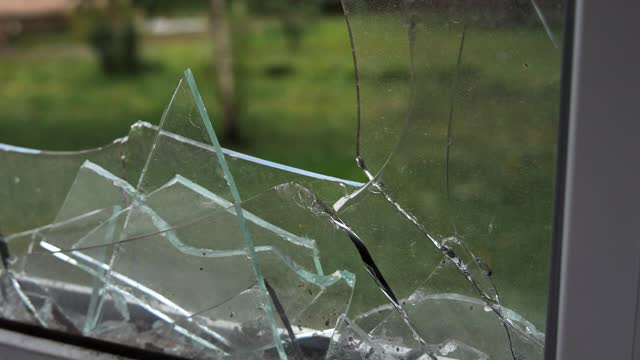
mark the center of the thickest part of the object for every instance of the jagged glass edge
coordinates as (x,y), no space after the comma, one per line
(235,194)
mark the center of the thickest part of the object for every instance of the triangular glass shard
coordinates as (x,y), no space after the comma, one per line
(187,117)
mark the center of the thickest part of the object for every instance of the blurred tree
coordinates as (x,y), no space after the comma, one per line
(294,16)
(110,28)
(230,28)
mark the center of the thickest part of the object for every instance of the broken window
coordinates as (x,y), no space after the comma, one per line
(166,241)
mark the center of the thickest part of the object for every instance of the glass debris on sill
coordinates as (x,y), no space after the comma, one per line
(165,241)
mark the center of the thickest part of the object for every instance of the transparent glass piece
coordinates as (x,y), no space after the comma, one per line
(303,288)
(453,349)
(170,201)
(186,116)
(94,188)
(27,277)
(208,213)
(482,80)
(303,293)
(291,236)
(292,262)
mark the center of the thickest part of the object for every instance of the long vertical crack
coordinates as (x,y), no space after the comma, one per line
(452,91)
(356,77)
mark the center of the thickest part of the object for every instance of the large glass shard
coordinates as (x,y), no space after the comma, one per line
(475,160)
(186,116)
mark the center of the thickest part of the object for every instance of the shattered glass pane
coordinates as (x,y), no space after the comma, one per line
(165,241)
(475,158)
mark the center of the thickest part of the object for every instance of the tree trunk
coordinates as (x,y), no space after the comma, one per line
(223,59)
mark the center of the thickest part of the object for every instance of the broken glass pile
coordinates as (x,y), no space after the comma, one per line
(166,241)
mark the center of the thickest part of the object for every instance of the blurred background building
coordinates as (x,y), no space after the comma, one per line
(38,16)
